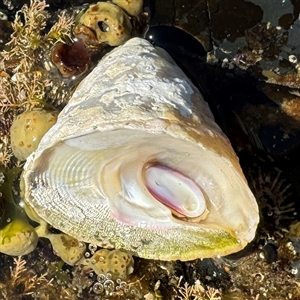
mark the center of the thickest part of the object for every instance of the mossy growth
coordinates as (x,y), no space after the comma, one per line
(25,80)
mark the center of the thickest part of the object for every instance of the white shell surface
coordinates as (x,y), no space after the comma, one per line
(134,110)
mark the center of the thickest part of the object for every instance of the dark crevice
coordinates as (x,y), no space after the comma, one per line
(174,14)
(209,23)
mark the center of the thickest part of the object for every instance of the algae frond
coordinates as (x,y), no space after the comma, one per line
(24,67)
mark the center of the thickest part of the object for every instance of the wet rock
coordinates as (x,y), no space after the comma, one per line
(193,17)
(208,272)
(272,13)
(162,12)
(228,18)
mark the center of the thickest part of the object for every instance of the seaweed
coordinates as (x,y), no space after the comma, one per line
(22,281)
(25,81)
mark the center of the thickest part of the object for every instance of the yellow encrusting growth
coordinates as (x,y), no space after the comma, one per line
(118,263)
(28,129)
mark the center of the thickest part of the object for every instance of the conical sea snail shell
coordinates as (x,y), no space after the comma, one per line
(136,161)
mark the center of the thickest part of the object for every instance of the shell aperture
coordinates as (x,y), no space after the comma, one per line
(175,190)
(136,119)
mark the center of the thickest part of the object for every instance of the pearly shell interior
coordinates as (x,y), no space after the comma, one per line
(176,191)
(120,176)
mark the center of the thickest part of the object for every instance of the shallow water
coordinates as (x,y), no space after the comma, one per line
(250,79)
